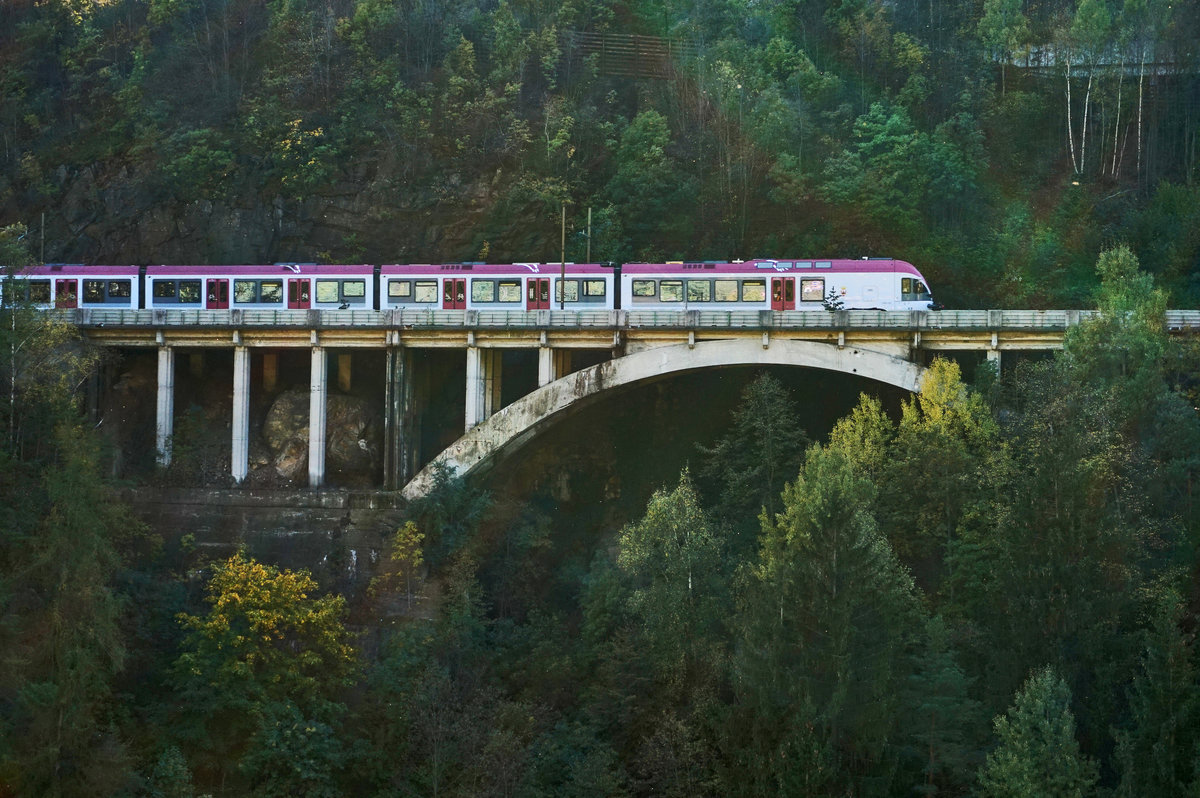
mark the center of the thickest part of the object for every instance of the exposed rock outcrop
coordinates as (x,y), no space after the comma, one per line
(352,438)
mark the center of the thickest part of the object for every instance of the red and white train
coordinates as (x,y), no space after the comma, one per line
(759,284)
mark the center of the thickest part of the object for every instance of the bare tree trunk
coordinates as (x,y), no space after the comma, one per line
(1070,124)
(1117,123)
(1087,99)
(1141,89)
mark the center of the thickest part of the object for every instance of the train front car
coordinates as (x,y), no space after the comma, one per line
(770,284)
(495,286)
(279,286)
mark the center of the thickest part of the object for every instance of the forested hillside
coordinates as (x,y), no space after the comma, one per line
(992,592)
(371,130)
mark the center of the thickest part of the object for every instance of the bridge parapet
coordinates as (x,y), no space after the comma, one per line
(1031,320)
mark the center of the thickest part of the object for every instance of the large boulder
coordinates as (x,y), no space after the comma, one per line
(351,438)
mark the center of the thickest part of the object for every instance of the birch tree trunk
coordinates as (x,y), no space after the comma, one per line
(1070,124)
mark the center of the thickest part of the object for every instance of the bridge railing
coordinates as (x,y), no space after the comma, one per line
(1176,320)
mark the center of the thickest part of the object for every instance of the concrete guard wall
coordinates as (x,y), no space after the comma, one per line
(519,422)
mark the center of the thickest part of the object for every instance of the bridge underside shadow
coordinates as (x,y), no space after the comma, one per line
(518,423)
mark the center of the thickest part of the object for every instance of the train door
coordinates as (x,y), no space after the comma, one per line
(454,293)
(299,294)
(66,294)
(537,293)
(217,293)
(783,293)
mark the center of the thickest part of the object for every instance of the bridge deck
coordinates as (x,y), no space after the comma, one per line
(947,329)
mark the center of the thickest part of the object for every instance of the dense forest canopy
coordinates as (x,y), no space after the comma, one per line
(998,145)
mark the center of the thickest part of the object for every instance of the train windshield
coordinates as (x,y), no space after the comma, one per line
(913,290)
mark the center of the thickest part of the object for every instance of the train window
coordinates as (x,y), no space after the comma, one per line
(93,290)
(164,289)
(510,291)
(39,291)
(570,288)
(245,291)
(699,290)
(912,289)
(426,291)
(824,264)
(400,289)
(118,289)
(327,291)
(671,290)
(644,288)
(354,289)
(784,264)
(189,291)
(593,288)
(483,290)
(804,264)
(272,291)
(725,290)
(812,290)
(754,290)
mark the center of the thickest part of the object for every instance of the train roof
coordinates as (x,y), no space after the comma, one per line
(77,270)
(522,269)
(269,269)
(776,265)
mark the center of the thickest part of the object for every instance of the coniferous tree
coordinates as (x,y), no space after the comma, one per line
(827,633)
(1038,755)
(763,449)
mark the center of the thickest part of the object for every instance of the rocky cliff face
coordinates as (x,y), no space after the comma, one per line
(105,213)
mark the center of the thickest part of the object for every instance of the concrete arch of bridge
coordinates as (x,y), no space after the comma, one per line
(521,421)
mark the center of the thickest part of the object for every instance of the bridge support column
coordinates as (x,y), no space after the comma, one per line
(993,357)
(270,375)
(493,372)
(318,388)
(240,464)
(165,410)
(483,384)
(343,369)
(552,364)
(401,450)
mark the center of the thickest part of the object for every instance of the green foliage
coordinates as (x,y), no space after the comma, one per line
(450,514)
(292,755)
(1156,751)
(1038,754)
(679,592)
(762,450)
(59,627)
(170,777)
(264,644)
(405,558)
(646,187)
(828,624)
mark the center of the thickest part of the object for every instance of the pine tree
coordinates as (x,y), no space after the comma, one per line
(1038,755)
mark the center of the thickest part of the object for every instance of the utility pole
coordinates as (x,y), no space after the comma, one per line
(589,237)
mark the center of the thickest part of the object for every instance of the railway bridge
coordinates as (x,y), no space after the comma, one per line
(581,358)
